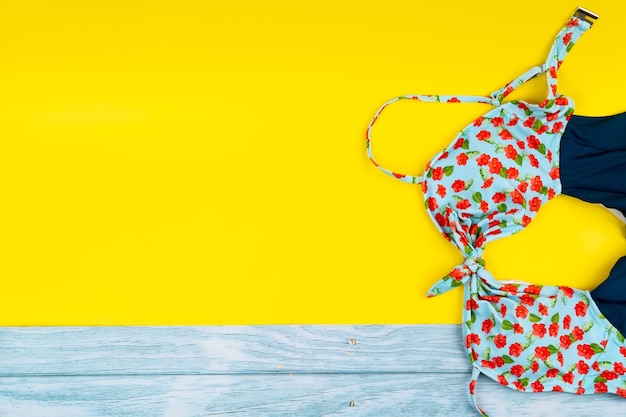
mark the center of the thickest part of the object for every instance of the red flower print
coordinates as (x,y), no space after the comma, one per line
(498,198)
(463,204)
(471,304)
(566,342)
(457,274)
(542,353)
(443,156)
(552,373)
(561,101)
(582,368)
(622,350)
(510,152)
(543,129)
(517,328)
(567,321)
(539,329)
(483,160)
(581,309)
(559,357)
(526,221)
(596,366)
(567,38)
(517,370)
(497,121)
(424,187)
(527,299)
(458,186)
(619,368)
(568,377)
(459,143)
(551,193)
(567,291)
(503,309)
(437,173)
(512,173)
(441,221)
(534,367)
(487,183)
(517,197)
(580,390)
(608,375)
(500,341)
(484,207)
(513,121)
(521,312)
(557,126)
(533,289)
(432,204)
(479,121)
(515,349)
(553,72)
(536,183)
(495,166)
(472,386)
(483,135)
(557,388)
(511,288)
(506,135)
(534,162)
(534,204)
(461,159)
(441,190)
(502,380)
(521,144)
(529,122)
(488,364)
(555,173)
(395,174)
(600,387)
(537,386)
(487,325)
(453,100)
(523,186)
(498,361)
(519,386)
(533,142)
(543,309)
(472,339)
(551,116)
(553,330)
(578,333)
(585,351)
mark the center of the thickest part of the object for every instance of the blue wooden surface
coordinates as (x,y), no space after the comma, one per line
(257,371)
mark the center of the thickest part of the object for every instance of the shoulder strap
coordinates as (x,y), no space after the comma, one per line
(563,43)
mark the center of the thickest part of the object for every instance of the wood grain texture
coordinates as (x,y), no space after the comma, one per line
(258,371)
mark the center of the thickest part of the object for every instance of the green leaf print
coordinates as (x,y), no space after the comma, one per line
(519,159)
(465,144)
(599,379)
(534,318)
(448,170)
(523,381)
(620,337)
(507,359)
(501,208)
(537,125)
(555,318)
(569,46)
(477,197)
(543,190)
(587,326)
(507,325)
(597,348)
(486,354)
(542,148)
(503,173)
(552,349)
(550,103)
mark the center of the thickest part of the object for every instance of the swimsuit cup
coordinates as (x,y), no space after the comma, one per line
(487,184)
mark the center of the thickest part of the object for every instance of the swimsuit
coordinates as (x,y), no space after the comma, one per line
(489,183)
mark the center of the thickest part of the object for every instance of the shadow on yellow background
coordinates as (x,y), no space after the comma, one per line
(198,162)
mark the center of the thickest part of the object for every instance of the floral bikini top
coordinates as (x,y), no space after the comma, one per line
(487,184)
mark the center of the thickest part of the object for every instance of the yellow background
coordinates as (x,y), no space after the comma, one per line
(198,162)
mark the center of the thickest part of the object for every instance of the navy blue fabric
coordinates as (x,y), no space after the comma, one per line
(593,160)
(593,169)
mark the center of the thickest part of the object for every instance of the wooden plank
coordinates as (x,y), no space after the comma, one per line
(229,349)
(257,371)
(372,395)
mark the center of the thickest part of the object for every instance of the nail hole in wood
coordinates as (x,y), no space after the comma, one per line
(352,342)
